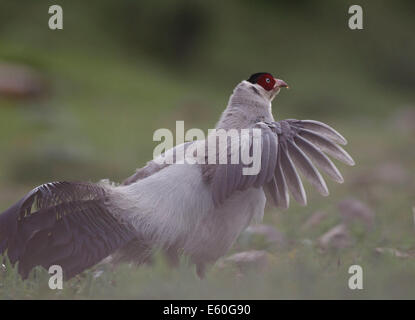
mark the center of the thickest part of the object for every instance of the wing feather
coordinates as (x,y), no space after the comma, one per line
(285,146)
(271,188)
(319,158)
(293,179)
(323,129)
(304,164)
(282,190)
(265,158)
(58,222)
(327,146)
(273,154)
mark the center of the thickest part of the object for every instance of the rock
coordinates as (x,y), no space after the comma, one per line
(18,81)
(314,220)
(98,273)
(352,209)
(393,252)
(336,237)
(404,120)
(269,234)
(253,260)
(307,242)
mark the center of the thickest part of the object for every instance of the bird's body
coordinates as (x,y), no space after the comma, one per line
(195,210)
(183,217)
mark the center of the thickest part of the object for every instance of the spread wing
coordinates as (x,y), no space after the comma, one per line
(61,223)
(287,147)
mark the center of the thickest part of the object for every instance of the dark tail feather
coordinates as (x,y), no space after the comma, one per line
(61,223)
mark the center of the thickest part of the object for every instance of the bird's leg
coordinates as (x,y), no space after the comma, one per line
(201,270)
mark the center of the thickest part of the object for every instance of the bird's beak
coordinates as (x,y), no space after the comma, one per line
(281,84)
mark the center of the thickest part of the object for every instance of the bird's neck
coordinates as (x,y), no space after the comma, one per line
(244,109)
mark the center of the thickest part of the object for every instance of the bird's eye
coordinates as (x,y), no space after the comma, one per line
(266,81)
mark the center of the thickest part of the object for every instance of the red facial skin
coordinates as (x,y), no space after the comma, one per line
(266,81)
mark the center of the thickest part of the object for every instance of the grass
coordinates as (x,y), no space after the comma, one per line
(105,102)
(299,270)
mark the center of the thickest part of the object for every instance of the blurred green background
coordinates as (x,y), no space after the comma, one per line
(82,103)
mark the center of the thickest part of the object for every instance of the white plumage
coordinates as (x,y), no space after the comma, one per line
(196,210)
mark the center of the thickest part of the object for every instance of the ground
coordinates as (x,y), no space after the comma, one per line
(102,102)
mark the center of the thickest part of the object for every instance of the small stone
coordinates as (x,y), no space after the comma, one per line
(270,234)
(306,242)
(337,237)
(98,274)
(315,219)
(352,209)
(19,81)
(248,260)
(393,252)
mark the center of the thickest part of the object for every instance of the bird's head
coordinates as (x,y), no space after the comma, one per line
(264,84)
(251,99)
